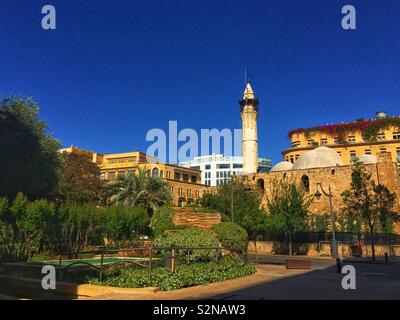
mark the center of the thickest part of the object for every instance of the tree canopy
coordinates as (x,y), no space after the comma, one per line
(29,161)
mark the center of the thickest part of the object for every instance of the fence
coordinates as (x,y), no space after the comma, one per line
(145,257)
(317,237)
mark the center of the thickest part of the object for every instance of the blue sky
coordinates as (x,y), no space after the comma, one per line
(115,69)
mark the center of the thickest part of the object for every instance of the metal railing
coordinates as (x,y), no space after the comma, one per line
(146,257)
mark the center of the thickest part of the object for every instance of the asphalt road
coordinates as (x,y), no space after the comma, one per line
(373,281)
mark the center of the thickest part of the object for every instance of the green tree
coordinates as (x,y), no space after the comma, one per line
(80,180)
(368,202)
(23,227)
(384,201)
(124,223)
(247,211)
(29,159)
(139,190)
(288,209)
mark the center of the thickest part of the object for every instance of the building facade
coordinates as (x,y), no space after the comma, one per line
(349,140)
(218,169)
(184,183)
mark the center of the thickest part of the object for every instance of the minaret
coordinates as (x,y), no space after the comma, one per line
(249,115)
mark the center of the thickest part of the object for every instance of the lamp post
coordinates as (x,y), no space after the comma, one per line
(329,194)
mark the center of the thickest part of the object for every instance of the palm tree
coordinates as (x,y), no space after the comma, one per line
(139,190)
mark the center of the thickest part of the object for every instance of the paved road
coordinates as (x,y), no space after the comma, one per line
(373,281)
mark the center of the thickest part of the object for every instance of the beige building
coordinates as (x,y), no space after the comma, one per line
(349,140)
(184,183)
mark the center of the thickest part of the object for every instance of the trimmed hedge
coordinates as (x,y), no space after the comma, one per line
(231,235)
(184,276)
(190,237)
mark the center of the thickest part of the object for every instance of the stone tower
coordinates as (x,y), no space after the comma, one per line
(249,115)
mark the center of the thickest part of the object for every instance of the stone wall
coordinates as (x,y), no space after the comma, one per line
(188,218)
(316,250)
(338,178)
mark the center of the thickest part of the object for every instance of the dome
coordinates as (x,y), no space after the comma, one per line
(332,154)
(321,157)
(368,159)
(282,166)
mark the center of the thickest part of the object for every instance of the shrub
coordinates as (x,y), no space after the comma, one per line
(124,223)
(190,237)
(231,235)
(161,221)
(184,275)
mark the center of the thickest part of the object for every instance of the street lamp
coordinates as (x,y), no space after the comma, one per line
(328,194)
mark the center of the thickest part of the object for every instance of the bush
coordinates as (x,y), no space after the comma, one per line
(231,235)
(184,275)
(190,237)
(124,223)
(161,221)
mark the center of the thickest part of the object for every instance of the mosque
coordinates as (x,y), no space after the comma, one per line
(319,169)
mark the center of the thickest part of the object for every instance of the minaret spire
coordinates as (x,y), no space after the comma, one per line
(249,115)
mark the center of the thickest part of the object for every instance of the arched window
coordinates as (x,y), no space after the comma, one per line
(155,172)
(305,180)
(161,174)
(148,173)
(260,184)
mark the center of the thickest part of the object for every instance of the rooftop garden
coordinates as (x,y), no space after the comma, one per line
(369,128)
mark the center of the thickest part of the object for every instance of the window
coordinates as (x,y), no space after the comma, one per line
(396,135)
(208,166)
(185,177)
(381,137)
(311,142)
(365,138)
(351,139)
(223,166)
(324,141)
(177,176)
(339,153)
(102,176)
(194,179)
(336,140)
(295,144)
(161,174)
(291,159)
(131,172)
(368,151)
(305,180)
(353,156)
(111,175)
(296,156)
(398,154)
(237,166)
(155,172)
(180,192)
(121,174)
(382,149)
(260,184)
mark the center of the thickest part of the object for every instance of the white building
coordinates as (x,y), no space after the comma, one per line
(217,169)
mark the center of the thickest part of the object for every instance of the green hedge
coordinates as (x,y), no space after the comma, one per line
(190,237)
(184,276)
(161,221)
(231,235)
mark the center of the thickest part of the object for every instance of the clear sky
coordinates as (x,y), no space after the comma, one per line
(115,69)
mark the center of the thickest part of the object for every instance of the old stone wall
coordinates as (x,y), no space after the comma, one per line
(188,218)
(337,178)
(321,250)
